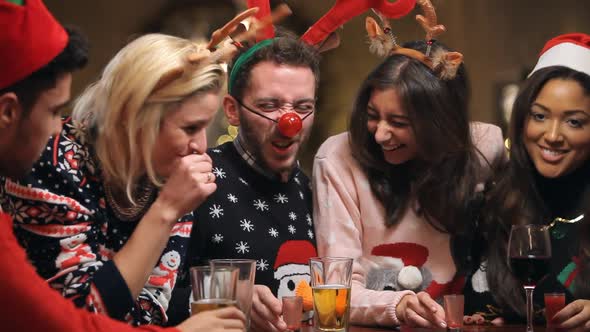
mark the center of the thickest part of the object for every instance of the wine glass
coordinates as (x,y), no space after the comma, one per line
(529,252)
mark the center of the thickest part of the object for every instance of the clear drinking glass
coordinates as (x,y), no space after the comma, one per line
(330,282)
(245,283)
(529,253)
(213,288)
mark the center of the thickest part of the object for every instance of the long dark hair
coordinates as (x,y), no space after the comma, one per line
(517,196)
(443,177)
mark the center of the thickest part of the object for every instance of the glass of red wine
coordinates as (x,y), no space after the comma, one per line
(529,252)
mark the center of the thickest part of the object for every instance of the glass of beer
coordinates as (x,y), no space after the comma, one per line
(213,288)
(330,282)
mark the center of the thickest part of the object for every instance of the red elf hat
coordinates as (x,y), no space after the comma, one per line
(30,37)
(570,50)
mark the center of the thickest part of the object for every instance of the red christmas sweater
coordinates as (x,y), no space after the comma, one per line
(33,306)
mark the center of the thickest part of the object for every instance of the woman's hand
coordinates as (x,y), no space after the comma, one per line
(187,187)
(420,310)
(575,315)
(266,311)
(230,319)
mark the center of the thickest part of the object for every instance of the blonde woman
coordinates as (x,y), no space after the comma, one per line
(105,213)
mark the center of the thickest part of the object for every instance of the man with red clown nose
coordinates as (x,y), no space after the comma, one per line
(37,58)
(263,198)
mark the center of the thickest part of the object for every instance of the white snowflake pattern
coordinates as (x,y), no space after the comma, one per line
(301,195)
(217,238)
(280,198)
(246,225)
(292,229)
(215,211)
(232,198)
(260,205)
(308,218)
(242,247)
(297,180)
(273,232)
(292,216)
(262,265)
(243,181)
(219,173)
(310,234)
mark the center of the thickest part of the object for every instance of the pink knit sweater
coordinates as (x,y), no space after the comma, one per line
(349,222)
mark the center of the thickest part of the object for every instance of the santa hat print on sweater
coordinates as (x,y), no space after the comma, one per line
(293,258)
(412,257)
(569,50)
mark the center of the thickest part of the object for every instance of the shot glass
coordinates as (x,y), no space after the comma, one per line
(454,309)
(293,312)
(554,302)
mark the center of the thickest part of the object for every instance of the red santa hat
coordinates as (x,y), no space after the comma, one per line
(293,258)
(570,50)
(412,255)
(30,38)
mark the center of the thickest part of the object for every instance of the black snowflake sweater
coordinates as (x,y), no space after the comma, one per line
(253,216)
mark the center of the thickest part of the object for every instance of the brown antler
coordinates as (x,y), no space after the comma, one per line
(278,14)
(218,35)
(232,26)
(429,22)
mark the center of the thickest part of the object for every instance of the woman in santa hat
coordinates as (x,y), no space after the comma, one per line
(547,181)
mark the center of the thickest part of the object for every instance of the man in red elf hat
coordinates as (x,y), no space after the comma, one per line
(37,56)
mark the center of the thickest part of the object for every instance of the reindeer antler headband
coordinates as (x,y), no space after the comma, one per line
(212,54)
(383,42)
(321,35)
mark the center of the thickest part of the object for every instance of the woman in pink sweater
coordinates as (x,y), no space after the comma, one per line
(400,191)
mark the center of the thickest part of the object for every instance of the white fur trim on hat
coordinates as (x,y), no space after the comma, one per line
(291,269)
(410,277)
(570,55)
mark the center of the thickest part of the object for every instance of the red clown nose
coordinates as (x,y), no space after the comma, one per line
(290,124)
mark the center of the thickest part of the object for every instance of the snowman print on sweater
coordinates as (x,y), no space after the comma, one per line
(74,251)
(292,265)
(164,275)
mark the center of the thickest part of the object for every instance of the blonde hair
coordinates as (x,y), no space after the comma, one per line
(123,110)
